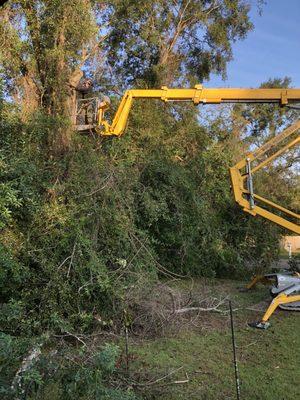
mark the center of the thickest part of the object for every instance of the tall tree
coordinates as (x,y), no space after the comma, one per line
(166,41)
(45,45)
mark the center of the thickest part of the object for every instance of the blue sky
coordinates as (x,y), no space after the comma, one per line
(271,50)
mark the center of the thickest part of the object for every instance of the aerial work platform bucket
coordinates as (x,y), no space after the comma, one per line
(86,113)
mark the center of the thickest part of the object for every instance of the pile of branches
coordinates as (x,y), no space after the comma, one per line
(164,309)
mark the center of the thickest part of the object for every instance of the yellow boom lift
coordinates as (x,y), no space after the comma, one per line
(287,285)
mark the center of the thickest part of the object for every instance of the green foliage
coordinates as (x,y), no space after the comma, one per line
(8,203)
(61,251)
(12,350)
(106,358)
(56,375)
(184,202)
(163,42)
(94,225)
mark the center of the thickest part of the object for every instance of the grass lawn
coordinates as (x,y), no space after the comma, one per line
(269,361)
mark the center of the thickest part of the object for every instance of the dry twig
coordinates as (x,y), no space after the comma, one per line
(159,379)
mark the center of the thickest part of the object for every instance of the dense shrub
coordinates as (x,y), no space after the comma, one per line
(82,229)
(62,374)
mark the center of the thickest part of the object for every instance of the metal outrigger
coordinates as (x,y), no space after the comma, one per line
(286,292)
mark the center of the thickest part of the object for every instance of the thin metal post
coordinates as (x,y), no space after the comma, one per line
(236,371)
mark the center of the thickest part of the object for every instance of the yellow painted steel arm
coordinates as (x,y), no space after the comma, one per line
(197,95)
(240,180)
(280,299)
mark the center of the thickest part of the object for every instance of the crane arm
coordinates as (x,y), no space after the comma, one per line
(197,95)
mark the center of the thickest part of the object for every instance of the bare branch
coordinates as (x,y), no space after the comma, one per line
(159,379)
(71,261)
(215,308)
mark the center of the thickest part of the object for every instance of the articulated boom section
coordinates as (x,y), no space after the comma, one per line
(197,95)
(242,180)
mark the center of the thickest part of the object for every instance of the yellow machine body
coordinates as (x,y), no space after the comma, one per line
(197,95)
